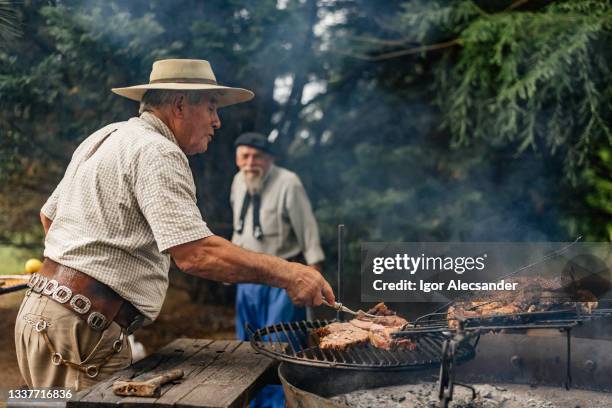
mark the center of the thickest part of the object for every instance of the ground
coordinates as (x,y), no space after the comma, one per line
(179,318)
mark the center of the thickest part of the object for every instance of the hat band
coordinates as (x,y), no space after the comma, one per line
(184,81)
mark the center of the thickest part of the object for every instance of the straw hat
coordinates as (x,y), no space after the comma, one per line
(186,75)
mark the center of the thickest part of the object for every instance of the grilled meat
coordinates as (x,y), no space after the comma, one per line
(476,309)
(381,310)
(376,330)
(380,337)
(340,336)
(534,294)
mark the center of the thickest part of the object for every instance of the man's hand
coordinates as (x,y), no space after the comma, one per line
(307,287)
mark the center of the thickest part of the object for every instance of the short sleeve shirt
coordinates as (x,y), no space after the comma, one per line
(127,196)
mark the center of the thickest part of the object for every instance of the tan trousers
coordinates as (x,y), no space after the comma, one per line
(71,337)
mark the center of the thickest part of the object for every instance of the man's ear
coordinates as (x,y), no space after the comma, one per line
(178,105)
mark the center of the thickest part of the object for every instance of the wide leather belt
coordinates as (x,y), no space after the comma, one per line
(89,298)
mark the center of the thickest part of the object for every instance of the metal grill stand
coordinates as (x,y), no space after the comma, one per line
(446,380)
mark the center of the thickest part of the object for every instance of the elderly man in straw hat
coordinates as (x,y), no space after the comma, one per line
(124,207)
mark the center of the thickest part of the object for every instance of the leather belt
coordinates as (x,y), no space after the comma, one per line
(90,299)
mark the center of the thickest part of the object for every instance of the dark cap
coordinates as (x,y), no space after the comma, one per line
(256,140)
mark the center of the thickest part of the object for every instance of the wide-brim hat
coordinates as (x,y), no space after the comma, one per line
(186,75)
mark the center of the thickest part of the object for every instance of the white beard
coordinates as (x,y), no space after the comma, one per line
(253,181)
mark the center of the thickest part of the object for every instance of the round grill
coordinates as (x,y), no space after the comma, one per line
(297,343)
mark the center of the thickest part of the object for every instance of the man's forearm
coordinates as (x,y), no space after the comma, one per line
(218,259)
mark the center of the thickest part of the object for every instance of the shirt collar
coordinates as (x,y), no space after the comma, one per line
(158,125)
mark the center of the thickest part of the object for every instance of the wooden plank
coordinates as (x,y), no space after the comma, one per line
(170,356)
(101,394)
(230,381)
(196,370)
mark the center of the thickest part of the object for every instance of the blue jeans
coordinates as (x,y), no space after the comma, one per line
(261,306)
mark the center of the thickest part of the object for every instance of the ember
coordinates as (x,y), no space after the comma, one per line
(425,395)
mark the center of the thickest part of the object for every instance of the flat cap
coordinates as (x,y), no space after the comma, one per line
(256,140)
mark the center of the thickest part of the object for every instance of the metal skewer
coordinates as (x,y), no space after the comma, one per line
(341,308)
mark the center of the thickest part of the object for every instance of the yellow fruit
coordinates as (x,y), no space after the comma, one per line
(33,265)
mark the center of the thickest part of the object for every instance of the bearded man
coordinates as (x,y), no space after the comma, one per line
(272,215)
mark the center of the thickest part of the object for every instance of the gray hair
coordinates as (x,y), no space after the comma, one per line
(156,98)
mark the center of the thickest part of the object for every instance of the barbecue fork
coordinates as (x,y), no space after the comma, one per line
(340,307)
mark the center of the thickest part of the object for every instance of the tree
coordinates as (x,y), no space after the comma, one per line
(462,120)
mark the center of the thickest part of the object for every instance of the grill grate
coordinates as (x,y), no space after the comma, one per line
(296,342)
(553,319)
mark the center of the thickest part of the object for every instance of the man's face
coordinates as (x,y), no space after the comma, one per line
(195,128)
(253,162)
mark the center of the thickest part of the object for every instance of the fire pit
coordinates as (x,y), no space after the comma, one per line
(519,369)
(487,396)
(537,360)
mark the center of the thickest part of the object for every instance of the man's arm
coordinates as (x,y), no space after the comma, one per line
(218,259)
(46,222)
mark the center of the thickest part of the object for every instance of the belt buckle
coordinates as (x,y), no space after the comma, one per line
(50,287)
(33,280)
(97,321)
(40,284)
(62,294)
(83,307)
(135,325)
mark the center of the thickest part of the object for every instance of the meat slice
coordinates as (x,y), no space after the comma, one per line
(381,310)
(375,330)
(534,294)
(362,324)
(380,337)
(391,321)
(340,336)
(475,309)
(387,321)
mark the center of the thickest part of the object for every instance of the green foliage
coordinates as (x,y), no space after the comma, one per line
(534,79)
(9,28)
(524,106)
(595,213)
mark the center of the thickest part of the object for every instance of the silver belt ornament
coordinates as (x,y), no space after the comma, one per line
(62,294)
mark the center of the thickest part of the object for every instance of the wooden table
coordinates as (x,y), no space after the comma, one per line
(218,373)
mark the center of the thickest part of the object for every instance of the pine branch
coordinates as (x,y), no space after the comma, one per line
(380,41)
(9,25)
(401,53)
(514,5)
